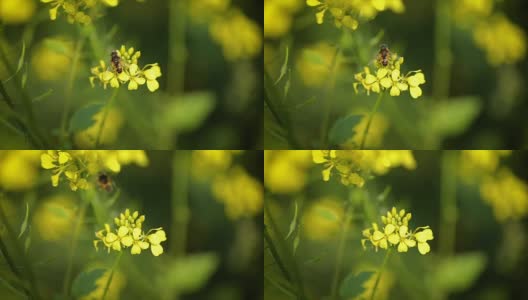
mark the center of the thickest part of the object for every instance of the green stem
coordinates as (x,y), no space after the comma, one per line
(177,50)
(68,93)
(340,252)
(443,55)
(448,203)
(30,276)
(10,261)
(288,258)
(73,247)
(327,100)
(105,116)
(385,260)
(181,166)
(275,254)
(371,116)
(109,281)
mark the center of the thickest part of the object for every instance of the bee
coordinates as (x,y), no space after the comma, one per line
(384,55)
(115,59)
(105,182)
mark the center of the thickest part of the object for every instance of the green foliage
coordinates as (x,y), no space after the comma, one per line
(453,117)
(458,273)
(343,130)
(84,117)
(187,113)
(352,285)
(85,282)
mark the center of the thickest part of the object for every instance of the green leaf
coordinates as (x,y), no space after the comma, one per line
(84,117)
(84,284)
(43,95)
(21,59)
(296,242)
(352,285)
(188,274)
(284,67)
(24,225)
(453,117)
(458,273)
(327,214)
(293,223)
(343,130)
(187,113)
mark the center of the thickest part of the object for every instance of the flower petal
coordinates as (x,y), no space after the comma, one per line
(424,248)
(416,92)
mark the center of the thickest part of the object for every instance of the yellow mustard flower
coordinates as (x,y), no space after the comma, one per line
(354,165)
(48,63)
(16,11)
(466,12)
(477,164)
(74,9)
(129,234)
(278,16)
(123,67)
(23,163)
(347,12)
(78,166)
(389,77)
(507,194)
(55,217)
(323,219)
(313,64)
(241,194)
(503,41)
(286,171)
(209,163)
(396,233)
(245,44)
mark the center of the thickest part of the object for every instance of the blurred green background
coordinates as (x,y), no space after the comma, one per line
(475,202)
(207,97)
(213,237)
(473,55)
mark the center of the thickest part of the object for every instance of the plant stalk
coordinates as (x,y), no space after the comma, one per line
(371,117)
(385,260)
(109,281)
(105,116)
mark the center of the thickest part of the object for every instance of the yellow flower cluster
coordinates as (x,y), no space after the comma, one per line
(480,163)
(353,166)
(23,163)
(390,78)
(75,10)
(241,193)
(239,36)
(78,166)
(503,41)
(396,232)
(347,12)
(322,219)
(278,16)
(286,171)
(128,71)
(507,194)
(16,11)
(129,234)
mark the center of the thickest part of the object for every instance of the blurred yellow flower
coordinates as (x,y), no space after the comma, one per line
(323,218)
(241,194)
(73,9)
(286,171)
(55,217)
(385,284)
(377,130)
(16,11)
(503,41)
(278,16)
(49,63)
(18,169)
(114,289)
(480,163)
(313,64)
(239,36)
(469,11)
(507,194)
(114,122)
(208,163)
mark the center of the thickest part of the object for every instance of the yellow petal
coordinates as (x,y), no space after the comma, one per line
(394,91)
(123,76)
(319,16)
(122,231)
(423,248)
(132,85)
(424,235)
(416,92)
(326,174)
(156,250)
(403,231)
(55,179)
(127,241)
(110,237)
(153,72)
(382,73)
(377,235)
(46,161)
(389,229)
(318,156)
(313,2)
(402,247)
(135,249)
(410,243)
(386,82)
(394,238)
(152,85)
(112,3)
(53,13)
(402,86)
(133,69)
(370,79)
